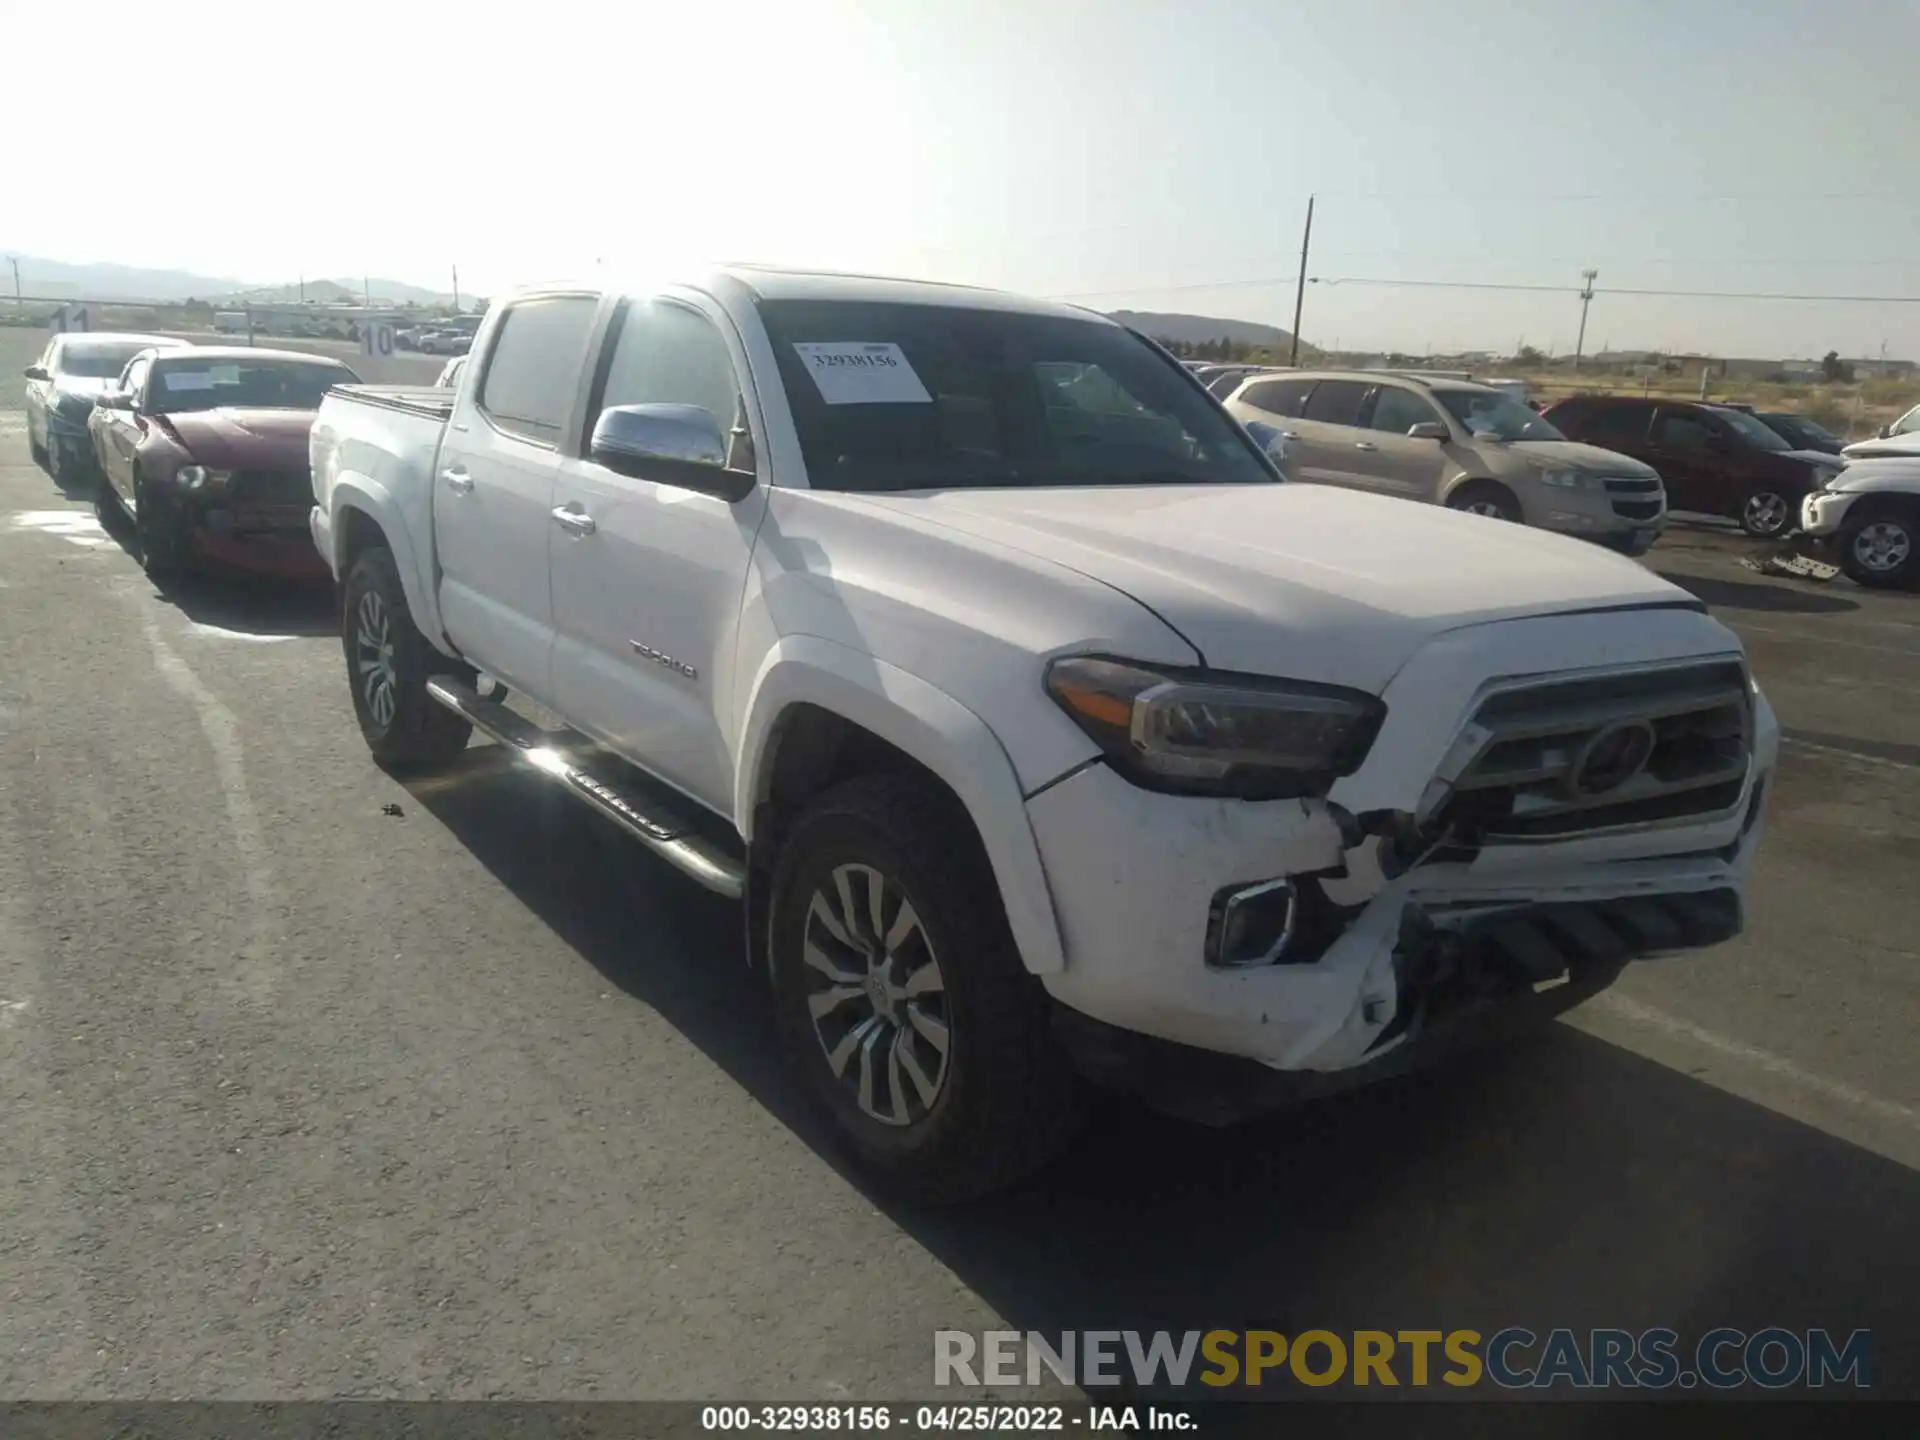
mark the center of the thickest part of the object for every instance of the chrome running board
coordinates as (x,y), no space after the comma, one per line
(653,824)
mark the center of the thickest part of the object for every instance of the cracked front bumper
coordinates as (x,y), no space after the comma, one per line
(1134,875)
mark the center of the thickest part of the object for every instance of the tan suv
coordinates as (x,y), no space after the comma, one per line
(1451,442)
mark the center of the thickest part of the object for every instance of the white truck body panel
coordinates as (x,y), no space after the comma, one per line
(681,631)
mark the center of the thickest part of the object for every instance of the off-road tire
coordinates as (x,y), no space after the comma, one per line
(1010,1099)
(1487,493)
(414,732)
(1866,514)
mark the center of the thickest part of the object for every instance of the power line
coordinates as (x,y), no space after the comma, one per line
(1332,280)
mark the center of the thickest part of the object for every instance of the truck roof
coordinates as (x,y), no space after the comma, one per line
(776,282)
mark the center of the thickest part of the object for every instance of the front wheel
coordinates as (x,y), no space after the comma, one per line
(901,1000)
(1882,549)
(388,665)
(1767,514)
(1485,497)
(160,532)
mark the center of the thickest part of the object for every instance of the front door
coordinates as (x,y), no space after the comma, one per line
(647,575)
(1681,448)
(493,489)
(119,428)
(1392,460)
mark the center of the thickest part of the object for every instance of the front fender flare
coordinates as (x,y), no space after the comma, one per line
(935,729)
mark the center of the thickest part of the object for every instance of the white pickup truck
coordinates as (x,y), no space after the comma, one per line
(1047,732)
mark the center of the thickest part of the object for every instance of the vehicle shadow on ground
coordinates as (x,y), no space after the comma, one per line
(1560,1182)
(1723,594)
(240,604)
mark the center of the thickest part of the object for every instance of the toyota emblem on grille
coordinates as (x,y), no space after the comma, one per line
(1611,758)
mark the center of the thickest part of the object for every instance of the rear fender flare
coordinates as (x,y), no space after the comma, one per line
(936,730)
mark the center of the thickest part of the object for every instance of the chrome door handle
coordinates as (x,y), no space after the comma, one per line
(1365,445)
(458,481)
(1289,434)
(576,521)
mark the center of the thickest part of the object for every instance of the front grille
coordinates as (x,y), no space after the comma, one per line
(1568,757)
(264,489)
(1632,485)
(1637,509)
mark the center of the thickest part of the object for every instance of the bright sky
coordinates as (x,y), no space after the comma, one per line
(1146,150)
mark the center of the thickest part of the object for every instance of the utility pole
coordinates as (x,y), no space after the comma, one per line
(303,288)
(1300,284)
(1586,299)
(17,301)
(456,289)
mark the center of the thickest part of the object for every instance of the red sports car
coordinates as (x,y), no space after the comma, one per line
(207,449)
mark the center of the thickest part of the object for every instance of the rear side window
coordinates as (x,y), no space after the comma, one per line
(535,364)
(1625,423)
(1277,397)
(1336,402)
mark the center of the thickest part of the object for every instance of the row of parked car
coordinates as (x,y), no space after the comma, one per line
(1606,468)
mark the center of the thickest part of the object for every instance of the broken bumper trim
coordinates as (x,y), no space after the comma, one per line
(1459,990)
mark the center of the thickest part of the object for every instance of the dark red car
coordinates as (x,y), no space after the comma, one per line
(207,449)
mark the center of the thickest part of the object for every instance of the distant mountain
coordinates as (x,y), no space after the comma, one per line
(61,280)
(1193,329)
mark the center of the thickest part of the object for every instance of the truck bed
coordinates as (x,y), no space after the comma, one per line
(433,401)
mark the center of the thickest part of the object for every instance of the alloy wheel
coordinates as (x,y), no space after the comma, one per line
(373,658)
(1765,513)
(1489,508)
(1882,546)
(876,995)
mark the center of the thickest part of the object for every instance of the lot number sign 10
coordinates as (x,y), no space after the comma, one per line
(376,339)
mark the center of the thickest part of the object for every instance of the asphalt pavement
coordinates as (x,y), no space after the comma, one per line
(315,1085)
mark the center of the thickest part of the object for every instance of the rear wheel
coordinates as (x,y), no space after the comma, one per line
(1882,548)
(901,999)
(1485,497)
(388,665)
(1767,513)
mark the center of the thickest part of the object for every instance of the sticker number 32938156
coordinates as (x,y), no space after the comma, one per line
(862,373)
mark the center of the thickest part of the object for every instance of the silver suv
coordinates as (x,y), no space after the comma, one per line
(1451,442)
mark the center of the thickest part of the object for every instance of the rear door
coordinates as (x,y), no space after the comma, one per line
(493,488)
(647,574)
(1392,461)
(1330,435)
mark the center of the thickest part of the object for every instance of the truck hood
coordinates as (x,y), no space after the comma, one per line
(245,439)
(1819,459)
(1573,455)
(1907,444)
(1302,581)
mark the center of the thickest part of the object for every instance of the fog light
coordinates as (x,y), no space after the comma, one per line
(1252,925)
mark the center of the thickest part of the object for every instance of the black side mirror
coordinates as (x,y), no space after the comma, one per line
(37,372)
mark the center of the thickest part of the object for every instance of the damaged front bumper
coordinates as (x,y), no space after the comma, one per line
(1399,949)
(1455,991)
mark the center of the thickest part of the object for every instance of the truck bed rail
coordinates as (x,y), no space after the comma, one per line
(434,401)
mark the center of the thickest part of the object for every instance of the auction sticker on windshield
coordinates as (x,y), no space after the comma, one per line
(862,373)
(186,379)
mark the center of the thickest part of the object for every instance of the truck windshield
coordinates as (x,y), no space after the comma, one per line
(188,384)
(920,397)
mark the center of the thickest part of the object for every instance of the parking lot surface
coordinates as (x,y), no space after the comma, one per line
(317,1085)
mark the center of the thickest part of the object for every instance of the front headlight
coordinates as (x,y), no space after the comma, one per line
(198,477)
(1201,732)
(1571,479)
